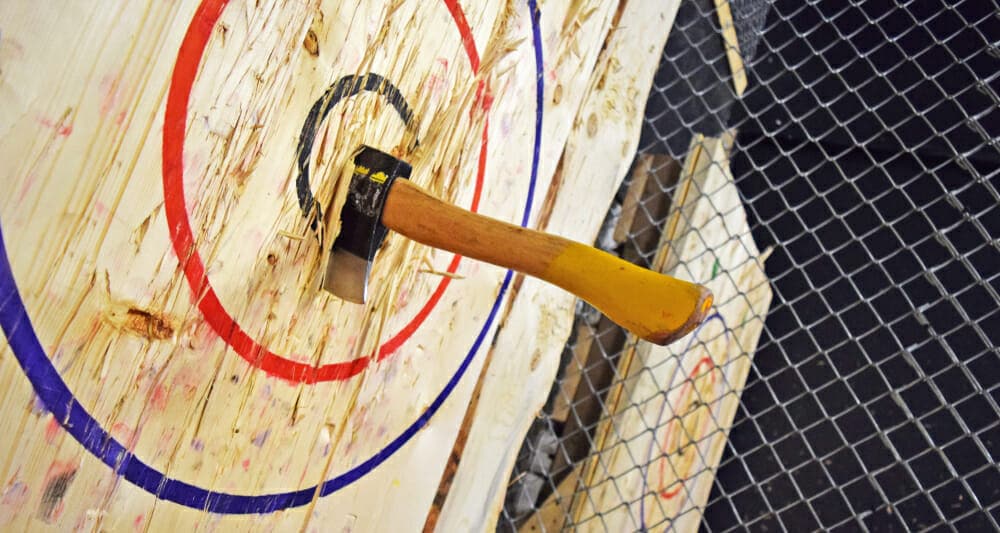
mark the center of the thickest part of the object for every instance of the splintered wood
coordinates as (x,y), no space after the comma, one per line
(654,457)
(175,171)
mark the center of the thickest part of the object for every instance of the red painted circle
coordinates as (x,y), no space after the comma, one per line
(175,122)
(685,394)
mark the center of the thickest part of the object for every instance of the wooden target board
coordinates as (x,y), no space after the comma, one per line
(171,169)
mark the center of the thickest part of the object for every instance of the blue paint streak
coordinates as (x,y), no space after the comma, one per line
(60,401)
(536,38)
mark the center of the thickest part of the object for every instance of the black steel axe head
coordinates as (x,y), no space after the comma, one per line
(361,230)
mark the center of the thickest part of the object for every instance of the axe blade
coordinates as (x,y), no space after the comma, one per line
(361,230)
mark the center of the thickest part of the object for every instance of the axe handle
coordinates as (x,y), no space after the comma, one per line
(654,306)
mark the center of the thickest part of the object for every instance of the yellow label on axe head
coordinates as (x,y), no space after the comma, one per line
(378,177)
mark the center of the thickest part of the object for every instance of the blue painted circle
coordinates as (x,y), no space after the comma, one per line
(74,418)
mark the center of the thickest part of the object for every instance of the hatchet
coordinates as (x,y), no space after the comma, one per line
(654,306)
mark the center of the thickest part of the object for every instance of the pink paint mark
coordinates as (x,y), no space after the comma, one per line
(137,523)
(187,380)
(62,129)
(28,182)
(402,298)
(112,88)
(57,511)
(52,430)
(123,433)
(60,468)
(434,84)
(246,465)
(158,400)
(100,208)
(198,445)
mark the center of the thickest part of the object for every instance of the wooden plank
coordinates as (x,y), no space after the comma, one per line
(153,150)
(706,237)
(598,154)
(732,46)
(676,403)
(579,409)
(648,207)
(646,204)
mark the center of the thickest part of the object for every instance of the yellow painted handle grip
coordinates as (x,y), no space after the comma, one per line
(654,306)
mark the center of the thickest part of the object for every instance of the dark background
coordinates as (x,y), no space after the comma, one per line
(868,154)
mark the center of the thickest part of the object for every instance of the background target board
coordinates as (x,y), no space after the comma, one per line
(169,360)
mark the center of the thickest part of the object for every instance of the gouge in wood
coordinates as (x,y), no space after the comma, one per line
(654,306)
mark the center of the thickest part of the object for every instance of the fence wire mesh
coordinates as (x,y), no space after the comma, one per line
(867,154)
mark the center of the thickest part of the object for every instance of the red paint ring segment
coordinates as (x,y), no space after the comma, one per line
(175,122)
(685,393)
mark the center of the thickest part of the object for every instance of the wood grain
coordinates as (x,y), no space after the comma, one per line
(104,152)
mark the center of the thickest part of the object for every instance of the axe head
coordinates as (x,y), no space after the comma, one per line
(361,229)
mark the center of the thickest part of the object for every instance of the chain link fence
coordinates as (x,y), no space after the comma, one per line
(867,155)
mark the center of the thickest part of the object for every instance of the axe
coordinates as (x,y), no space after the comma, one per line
(654,306)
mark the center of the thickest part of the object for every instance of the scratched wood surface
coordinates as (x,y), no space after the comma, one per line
(654,459)
(523,363)
(169,362)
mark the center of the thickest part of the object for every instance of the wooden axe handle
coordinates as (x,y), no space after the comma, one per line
(654,306)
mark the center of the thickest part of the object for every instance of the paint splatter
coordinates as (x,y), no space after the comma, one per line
(260,438)
(57,482)
(158,400)
(187,380)
(51,430)
(114,91)
(29,181)
(124,434)
(15,497)
(15,494)
(246,465)
(62,128)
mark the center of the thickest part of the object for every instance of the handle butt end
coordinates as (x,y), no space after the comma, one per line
(698,315)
